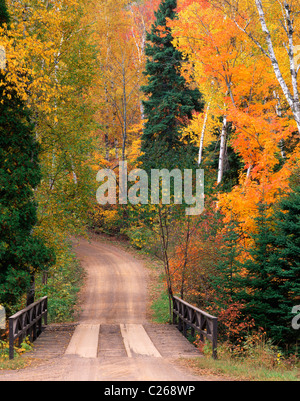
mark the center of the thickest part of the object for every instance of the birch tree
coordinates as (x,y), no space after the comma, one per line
(271,26)
(288,13)
(223,138)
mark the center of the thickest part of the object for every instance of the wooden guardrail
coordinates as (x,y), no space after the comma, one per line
(188,316)
(27,322)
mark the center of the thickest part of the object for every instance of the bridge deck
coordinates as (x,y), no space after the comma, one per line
(166,339)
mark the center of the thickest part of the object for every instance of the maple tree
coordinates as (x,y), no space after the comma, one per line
(240,88)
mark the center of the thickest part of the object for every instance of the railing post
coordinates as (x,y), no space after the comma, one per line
(46,314)
(191,317)
(11,338)
(174,314)
(27,322)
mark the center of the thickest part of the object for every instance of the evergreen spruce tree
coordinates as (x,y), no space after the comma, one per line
(21,253)
(271,287)
(257,285)
(170,102)
(285,267)
(168,107)
(4,15)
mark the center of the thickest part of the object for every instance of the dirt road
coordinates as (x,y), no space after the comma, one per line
(113,340)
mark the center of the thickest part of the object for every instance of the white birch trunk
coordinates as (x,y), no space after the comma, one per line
(202,135)
(249,171)
(222,150)
(292,99)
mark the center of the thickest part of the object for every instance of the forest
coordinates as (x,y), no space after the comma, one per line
(188,84)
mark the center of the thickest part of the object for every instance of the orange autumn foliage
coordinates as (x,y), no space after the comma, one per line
(238,82)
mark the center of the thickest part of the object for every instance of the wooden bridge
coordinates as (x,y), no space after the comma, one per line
(113,340)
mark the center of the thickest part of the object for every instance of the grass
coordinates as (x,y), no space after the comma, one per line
(15,364)
(160,308)
(18,362)
(246,370)
(158,299)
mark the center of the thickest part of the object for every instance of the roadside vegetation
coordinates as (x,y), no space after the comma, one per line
(18,362)
(256,359)
(242,370)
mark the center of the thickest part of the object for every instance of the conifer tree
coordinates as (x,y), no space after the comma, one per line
(286,267)
(257,286)
(168,107)
(21,252)
(170,102)
(4,16)
(271,287)
(267,282)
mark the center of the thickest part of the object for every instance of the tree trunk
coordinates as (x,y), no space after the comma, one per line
(292,99)
(222,150)
(202,135)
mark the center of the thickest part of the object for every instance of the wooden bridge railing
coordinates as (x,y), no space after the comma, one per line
(27,322)
(188,316)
